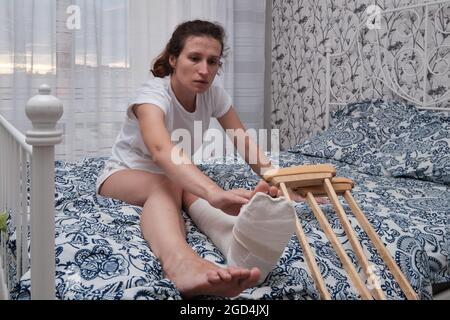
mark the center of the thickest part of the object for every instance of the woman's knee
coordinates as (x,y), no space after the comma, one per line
(170,188)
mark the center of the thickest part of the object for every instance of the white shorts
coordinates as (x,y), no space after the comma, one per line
(111,167)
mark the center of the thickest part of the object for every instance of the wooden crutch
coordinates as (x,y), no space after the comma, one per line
(313,176)
(342,187)
(331,189)
(304,180)
(304,176)
(384,253)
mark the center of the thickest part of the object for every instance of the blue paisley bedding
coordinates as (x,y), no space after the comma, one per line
(101,253)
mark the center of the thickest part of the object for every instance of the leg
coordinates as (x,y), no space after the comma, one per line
(161,227)
(216,224)
(257,237)
(133,187)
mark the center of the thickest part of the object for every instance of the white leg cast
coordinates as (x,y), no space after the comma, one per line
(255,238)
(263,228)
(215,223)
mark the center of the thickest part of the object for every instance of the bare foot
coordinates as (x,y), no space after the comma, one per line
(195,276)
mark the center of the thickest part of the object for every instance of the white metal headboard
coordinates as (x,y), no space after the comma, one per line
(403,52)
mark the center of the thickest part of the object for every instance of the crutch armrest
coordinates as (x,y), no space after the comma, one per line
(299,170)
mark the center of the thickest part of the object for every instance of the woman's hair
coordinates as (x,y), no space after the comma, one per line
(161,66)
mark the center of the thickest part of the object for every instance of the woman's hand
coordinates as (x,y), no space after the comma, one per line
(230,201)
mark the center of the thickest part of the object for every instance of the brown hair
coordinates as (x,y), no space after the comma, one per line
(162,67)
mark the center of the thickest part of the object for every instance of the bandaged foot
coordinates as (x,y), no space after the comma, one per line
(257,237)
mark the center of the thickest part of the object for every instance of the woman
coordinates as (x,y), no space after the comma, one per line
(142,172)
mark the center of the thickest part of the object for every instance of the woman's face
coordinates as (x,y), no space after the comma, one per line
(198,63)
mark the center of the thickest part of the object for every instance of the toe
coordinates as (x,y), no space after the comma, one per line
(252,279)
(273,191)
(255,273)
(213,277)
(224,274)
(262,186)
(243,274)
(234,272)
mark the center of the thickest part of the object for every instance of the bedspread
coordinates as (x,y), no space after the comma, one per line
(101,253)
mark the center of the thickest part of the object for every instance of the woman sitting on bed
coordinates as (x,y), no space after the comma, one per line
(141,170)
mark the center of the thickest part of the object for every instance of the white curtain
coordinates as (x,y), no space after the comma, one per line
(94,53)
(81,53)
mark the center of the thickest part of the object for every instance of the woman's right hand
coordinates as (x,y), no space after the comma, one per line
(230,201)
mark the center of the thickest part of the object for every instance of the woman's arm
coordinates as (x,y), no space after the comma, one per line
(231,121)
(181,170)
(245,145)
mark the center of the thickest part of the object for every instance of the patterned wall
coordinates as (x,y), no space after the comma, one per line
(303,29)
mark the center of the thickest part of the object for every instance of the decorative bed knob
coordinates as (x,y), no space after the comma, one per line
(44,110)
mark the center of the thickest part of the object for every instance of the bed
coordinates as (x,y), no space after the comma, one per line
(398,155)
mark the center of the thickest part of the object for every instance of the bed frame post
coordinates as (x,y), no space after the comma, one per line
(44,111)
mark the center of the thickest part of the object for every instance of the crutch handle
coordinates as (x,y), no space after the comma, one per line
(340,185)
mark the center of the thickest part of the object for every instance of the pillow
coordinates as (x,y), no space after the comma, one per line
(387,138)
(346,141)
(385,119)
(422,151)
(354,136)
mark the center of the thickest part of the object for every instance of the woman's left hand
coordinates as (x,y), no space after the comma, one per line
(229,201)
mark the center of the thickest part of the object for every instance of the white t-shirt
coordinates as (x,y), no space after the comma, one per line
(129,147)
